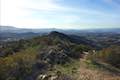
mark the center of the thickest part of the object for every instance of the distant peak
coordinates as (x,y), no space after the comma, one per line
(55,32)
(58,34)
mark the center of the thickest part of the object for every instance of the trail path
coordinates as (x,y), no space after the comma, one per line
(87,73)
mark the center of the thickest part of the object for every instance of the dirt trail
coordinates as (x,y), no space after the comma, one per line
(87,73)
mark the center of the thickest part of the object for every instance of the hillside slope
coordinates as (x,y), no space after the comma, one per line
(55,56)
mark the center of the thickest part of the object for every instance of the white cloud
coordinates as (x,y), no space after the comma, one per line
(44,14)
(16,13)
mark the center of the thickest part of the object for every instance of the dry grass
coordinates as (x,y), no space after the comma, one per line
(86,73)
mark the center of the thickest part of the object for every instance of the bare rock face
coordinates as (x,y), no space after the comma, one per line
(54,55)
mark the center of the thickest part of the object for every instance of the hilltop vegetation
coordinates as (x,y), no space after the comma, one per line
(55,56)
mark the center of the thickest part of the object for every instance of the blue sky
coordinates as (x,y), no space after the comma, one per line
(64,14)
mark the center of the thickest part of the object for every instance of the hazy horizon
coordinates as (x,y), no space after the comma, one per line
(60,14)
(61,28)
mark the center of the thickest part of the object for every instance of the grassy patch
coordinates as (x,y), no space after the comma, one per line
(68,68)
(91,64)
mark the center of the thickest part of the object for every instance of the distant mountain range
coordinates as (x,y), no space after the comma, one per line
(11,29)
(8,33)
